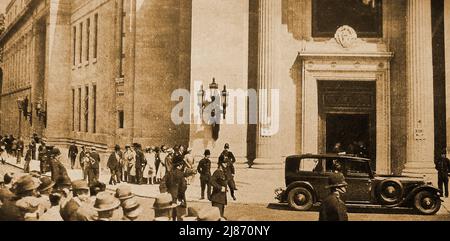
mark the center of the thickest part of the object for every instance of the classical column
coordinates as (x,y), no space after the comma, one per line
(420,138)
(270,16)
(447,65)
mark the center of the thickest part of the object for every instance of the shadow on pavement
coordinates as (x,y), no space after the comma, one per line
(377,210)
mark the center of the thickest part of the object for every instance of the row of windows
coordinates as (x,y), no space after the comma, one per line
(81,41)
(14,10)
(81,109)
(17,64)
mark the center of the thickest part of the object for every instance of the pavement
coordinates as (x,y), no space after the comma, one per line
(255,185)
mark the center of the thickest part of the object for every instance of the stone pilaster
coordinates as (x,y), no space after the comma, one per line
(447,65)
(270,16)
(58,76)
(420,138)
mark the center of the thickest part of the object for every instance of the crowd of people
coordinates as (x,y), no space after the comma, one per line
(38,197)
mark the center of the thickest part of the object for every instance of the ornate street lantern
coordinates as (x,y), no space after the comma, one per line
(225,95)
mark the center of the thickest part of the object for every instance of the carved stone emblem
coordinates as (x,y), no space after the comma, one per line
(346,36)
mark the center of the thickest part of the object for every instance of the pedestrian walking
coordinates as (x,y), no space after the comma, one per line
(114,166)
(442,164)
(160,164)
(95,164)
(189,163)
(20,145)
(230,172)
(332,207)
(219,193)
(43,157)
(73,152)
(227,155)
(28,157)
(204,169)
(130,157)
(169,161)
(82,159)
(140,163)
(58,171)
(3,156)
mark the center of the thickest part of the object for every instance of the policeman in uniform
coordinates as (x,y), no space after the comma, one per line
(333,208)
(443,167)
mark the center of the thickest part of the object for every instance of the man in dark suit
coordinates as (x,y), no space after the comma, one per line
(73,152)
(42,157)
(443,167)
(114,165)
(95,165)
(219,193)
(81,159)
(58,171)
(230,172)
(333,208)
(140,162)
(204,168)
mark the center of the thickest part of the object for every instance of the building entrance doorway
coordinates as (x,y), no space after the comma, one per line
(348,118)
(349,133)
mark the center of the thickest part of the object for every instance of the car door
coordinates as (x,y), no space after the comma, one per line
(312,170)
(357,175)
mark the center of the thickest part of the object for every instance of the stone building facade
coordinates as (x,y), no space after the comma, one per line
(368,71)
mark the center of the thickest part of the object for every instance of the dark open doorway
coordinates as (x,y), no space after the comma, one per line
(354,132)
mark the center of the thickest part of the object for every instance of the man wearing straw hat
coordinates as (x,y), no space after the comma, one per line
(333,208)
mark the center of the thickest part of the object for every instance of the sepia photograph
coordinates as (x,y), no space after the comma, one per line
(224,110)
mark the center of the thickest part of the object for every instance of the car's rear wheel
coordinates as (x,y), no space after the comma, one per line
(390,191)
(300,199)
(427,203)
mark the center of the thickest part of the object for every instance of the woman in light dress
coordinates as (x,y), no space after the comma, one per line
(149,170)
(162,165)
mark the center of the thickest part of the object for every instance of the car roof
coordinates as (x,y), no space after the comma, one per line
(330,155)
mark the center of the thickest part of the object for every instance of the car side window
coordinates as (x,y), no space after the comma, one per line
(356,168)
(311,165)
(333,165)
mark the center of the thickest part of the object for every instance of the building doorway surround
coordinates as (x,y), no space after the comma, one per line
(327,61)
(347,115)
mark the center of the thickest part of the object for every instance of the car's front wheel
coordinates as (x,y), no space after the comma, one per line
(300,199)
(427,203)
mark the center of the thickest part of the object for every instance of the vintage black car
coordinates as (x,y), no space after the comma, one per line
(307,175)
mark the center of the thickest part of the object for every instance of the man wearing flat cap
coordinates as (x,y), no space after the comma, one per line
(333,208)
